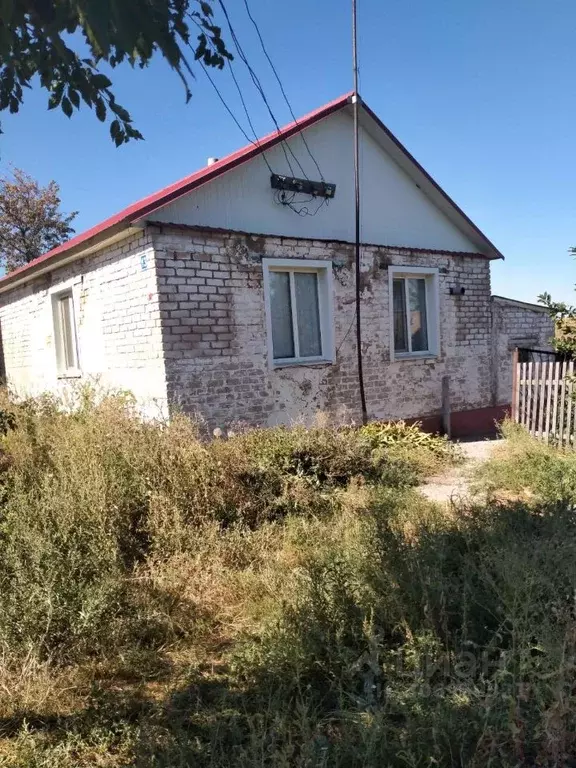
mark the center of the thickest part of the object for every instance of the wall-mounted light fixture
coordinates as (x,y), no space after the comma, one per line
(457,290)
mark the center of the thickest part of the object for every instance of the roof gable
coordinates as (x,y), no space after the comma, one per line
(396,208)
(160,205)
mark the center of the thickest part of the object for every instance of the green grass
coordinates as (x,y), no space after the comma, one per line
(279,598)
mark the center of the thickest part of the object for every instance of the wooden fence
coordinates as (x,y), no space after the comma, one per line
(543,399)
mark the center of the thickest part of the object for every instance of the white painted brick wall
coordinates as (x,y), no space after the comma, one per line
(213,312)
(118,323)
(189,329)
(515,324)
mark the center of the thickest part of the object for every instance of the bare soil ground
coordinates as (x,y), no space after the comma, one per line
(455,483)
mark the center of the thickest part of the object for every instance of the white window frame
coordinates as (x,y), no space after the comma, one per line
(322,268)
(69,288)
(430,274)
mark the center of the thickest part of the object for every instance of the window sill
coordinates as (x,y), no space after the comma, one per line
(70,375)
(301,364)
(399,356)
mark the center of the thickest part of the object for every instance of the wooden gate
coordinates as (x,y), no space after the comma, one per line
(543,396)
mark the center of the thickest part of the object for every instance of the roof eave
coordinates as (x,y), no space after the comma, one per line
(51,261)
(244,155)
(470,229)
(134,216)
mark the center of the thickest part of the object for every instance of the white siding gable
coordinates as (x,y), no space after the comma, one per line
(395,210)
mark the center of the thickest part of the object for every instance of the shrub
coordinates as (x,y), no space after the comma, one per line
(424,636)
(529,469)
(93,493)
(388,632)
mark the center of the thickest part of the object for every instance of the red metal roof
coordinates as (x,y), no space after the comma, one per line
(147,205)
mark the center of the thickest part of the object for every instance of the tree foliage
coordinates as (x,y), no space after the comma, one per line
(564,316)
(42,38)
(31,222)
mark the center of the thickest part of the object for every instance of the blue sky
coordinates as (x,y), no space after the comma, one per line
(482,93)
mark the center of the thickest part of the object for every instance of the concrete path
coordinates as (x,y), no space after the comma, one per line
(455,483)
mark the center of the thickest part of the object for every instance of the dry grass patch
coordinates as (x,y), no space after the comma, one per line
(170,601)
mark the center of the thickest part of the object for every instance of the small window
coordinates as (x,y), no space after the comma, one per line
(299,309)
(65,334)
(414,313)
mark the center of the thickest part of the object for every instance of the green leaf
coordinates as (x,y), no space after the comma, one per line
(96,26)
(122,113)
(201,48)
(6,11)
(67,106)
(100,109)
(100,81)
(74,97)
(56,95)
(114,128)
(132,133)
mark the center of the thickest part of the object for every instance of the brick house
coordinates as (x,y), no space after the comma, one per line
(219,295)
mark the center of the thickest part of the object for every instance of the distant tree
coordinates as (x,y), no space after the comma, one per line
(31,222)
(564,316)
(63,42)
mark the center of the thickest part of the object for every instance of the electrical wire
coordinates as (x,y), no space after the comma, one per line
(281,198)
(299,206)
(277,76)
(260,89)
(255,142)
(233,116)
(346,335)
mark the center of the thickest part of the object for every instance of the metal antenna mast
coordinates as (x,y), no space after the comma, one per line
(356,107)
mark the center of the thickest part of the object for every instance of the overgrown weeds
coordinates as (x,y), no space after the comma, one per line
(279,598)
(531,470)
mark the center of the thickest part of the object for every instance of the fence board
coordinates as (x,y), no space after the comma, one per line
(555,391)
(542,398)
(568,387)
(535,399)
(548,426)
(529,398)
(562,419)
(522,394)
(516,389)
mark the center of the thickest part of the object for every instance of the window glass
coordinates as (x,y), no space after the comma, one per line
(400,328)
(281,312)
(308,314)
(418,318)
(68,336)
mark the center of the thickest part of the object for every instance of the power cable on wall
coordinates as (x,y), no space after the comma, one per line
(357,259)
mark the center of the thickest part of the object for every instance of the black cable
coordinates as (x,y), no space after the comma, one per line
(233,116)
(280,197)
(346,336)
(277,76)
(256,143)
(299,207)
(260,89)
